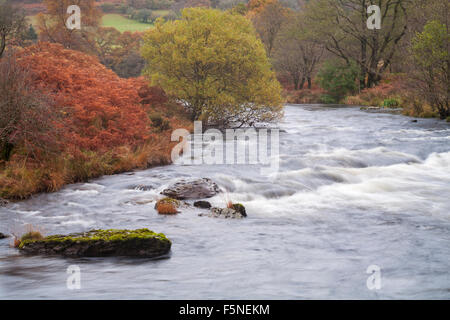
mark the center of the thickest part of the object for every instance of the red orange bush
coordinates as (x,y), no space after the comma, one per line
(104,123)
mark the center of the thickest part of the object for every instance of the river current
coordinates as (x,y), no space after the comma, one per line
(355,189)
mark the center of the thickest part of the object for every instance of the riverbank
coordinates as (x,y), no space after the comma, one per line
(392,93)
(86,122)
(21,178)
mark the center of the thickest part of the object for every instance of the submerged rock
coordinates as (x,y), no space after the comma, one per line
(202,204)
(142,187)
(192,189)
(3,202)
(101,243)
(227,213)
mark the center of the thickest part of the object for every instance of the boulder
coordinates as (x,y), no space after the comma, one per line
(3,202)
(101,243)
(192,189)
(240,208)
(202,204)
(3,236)
(227,213)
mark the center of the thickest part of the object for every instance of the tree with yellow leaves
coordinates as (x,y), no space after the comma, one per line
(213,63)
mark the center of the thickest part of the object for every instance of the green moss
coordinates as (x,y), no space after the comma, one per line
(32,235)
(100,235)
(448,119)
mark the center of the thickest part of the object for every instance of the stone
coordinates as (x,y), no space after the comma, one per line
(101,243)
(3,202)
(240,208)
(202,204)
(227,213)
(192,189)
(141,187)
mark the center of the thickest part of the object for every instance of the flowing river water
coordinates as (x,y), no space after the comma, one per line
(355,189)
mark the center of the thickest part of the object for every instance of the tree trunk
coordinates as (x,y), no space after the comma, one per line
(5,151)
(302,84)
(296,82)
(3,45)
(309,82)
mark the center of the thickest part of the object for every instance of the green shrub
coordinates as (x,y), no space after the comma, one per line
(338,79)
(159,122)
(390,103)
(327,99)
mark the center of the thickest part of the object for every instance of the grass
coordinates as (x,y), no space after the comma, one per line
(123,24)
(117,21)
(167,206)
(161,13)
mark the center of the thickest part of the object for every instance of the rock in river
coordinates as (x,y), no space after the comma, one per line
(3,202)
(227,213)
(101,243)
(3,236)
(202,204)
(192,189)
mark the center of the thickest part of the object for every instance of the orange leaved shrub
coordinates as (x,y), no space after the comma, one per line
(104,124)
(101,110)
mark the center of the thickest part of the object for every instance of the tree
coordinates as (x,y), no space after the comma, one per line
(27,117)
(214,63)
(52,25)
(268,19)
(338,79)
(295,53)
(12,24)
(143,15)
(30,34)
(342,27)
(431,52)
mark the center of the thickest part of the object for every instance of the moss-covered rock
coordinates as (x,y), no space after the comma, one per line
(202,204)
(240,208)
(101,243)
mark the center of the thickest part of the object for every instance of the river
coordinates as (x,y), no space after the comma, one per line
(355,189)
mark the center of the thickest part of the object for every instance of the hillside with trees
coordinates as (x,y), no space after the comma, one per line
(79,94)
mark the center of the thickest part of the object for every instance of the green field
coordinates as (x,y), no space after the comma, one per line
(117,21)
(123,24)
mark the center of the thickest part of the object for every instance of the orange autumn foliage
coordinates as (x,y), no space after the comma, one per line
(100,110)
(103,123)
(167,208)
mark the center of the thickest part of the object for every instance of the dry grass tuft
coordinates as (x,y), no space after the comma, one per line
(166,208)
